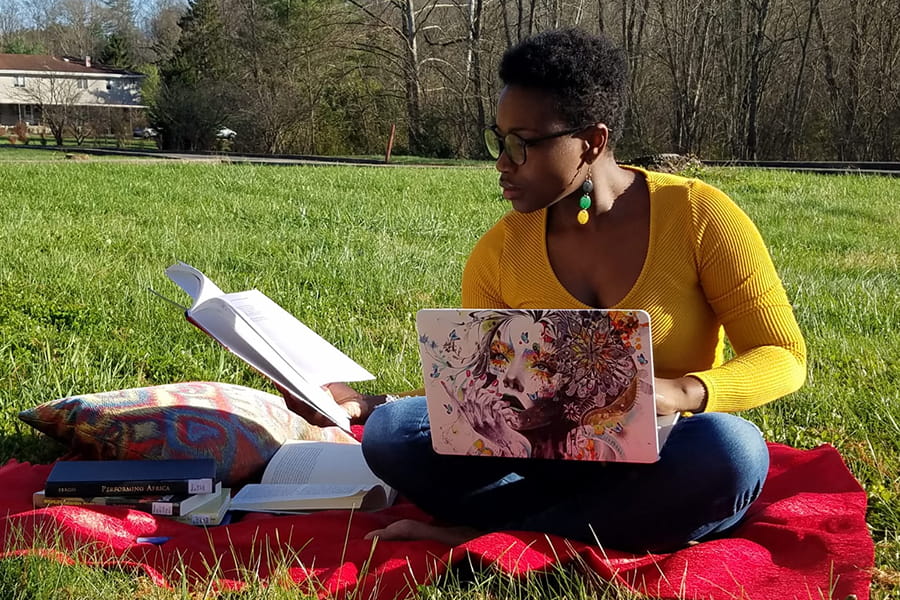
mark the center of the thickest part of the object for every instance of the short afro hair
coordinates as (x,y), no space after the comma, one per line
(585,74)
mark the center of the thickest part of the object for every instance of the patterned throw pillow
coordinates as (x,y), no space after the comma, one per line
(239,427)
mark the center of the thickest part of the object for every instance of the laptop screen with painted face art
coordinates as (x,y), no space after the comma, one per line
(556,384)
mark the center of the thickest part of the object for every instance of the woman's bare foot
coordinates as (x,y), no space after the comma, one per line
(409,529)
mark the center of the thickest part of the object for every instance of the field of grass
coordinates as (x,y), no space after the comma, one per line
(354,252)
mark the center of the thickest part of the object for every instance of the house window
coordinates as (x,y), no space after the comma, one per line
(82,84)
(19,81)
(26,113)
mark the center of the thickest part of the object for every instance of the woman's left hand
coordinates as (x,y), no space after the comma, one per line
(356,405)
(679,395)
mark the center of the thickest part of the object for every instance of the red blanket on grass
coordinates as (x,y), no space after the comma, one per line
(805,537)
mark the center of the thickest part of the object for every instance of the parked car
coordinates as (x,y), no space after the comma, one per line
(144,132)
(226,134)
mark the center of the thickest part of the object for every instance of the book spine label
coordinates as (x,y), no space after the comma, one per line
(200,486)
(129,488)
(167,509)
(202,519)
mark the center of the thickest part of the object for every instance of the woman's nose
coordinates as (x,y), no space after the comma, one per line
(504,164)
(513,383)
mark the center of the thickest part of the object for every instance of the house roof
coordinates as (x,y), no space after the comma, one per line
(54,64)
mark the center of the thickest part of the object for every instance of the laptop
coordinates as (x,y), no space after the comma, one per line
(553,384)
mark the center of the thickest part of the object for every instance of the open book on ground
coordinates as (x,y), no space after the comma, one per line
(306,476)
(271,340)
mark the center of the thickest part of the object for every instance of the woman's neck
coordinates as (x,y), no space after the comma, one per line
(611,182)
(611,186)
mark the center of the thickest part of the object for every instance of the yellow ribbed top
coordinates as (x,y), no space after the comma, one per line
(707,270)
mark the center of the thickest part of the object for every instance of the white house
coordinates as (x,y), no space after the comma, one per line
(30,81)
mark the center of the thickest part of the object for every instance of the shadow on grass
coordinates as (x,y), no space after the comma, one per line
(26,446)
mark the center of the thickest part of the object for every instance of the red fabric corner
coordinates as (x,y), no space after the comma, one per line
(806,533)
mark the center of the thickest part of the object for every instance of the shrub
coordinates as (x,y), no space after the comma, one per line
(21,131)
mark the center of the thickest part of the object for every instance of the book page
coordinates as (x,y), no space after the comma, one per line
(316,359)
(301,462)
(278,497)
(315,476)
(272,492)
(271,340)
(197,285)
(220,320)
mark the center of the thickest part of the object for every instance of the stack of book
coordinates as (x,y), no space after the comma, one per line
(184,490)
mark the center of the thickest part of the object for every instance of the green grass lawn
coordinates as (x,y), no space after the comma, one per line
(354,252)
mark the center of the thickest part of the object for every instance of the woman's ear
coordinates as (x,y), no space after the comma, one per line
(596,140)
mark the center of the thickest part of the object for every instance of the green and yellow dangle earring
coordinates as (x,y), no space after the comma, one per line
(585,201)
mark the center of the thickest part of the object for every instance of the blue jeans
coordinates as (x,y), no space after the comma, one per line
(710,470)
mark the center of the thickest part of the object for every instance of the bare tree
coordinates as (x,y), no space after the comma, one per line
(287,51)
(73,27)
(860,49)
(11,20)
(843,78)
(750,35)
(686,52)
(456,46)
(474,72)
(403,21)
(725,78)
(57,98)
(633,27)
(163,30)
(82,123)
(884,113)
(119,17)
(791,115)
(518,19)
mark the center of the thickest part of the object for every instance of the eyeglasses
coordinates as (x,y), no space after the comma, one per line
(514,145)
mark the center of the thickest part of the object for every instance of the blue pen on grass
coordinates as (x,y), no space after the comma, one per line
(152,540)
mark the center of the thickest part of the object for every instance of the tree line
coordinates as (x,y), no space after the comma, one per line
(742,79)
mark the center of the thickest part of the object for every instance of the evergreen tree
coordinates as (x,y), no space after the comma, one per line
(18,45)
(193,97)
(117,52)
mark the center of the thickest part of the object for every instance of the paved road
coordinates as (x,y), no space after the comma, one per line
(890,169)
(229,157)
(826,167)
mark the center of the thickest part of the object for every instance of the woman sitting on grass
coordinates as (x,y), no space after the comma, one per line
(586,232)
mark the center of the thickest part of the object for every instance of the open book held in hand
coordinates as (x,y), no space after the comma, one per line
(268,338)
(306,476)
